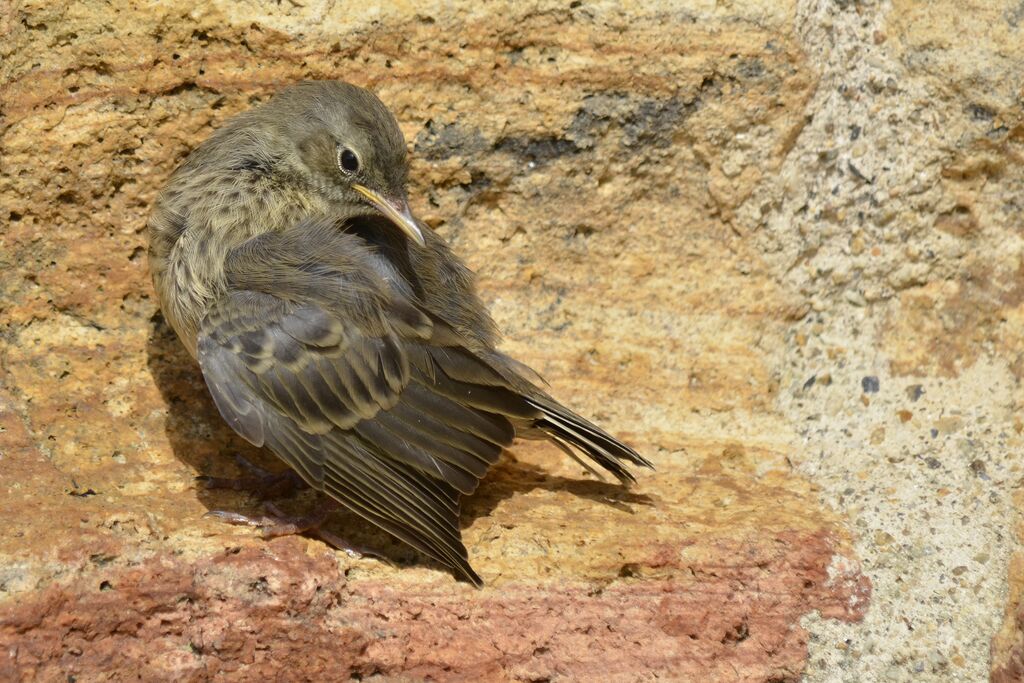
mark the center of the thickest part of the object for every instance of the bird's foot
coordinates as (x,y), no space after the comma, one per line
(276,523)
(262,482)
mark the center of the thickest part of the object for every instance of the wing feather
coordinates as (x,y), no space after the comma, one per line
(354,401)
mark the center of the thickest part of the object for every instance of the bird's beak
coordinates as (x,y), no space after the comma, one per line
(397,210)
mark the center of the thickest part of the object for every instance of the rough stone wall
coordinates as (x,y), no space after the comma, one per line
(776,246)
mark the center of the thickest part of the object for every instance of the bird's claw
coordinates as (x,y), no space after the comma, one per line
(276,524)
(262,482)
(237,518)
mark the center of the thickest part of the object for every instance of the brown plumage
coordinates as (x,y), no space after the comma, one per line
(338,331)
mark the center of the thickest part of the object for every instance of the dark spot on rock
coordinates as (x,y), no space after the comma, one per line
(583,231)
(978,467)
(654,123)
(14,216)
(934,432)
(439,142)
(857,173)
(810,382)
(870,384)
(643,121)
(1015,16)
(959,221)
(828,156)
(752,68)
(182,87)
(630,569)
(260,585)
(106,586)
(980,112)
(737,634)
(478,182)
(914,392)
(933,463)
(537,150)
(854,132)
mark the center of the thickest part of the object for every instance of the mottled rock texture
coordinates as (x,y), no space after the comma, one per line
(742,236)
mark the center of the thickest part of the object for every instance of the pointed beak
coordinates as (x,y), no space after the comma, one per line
(397,210)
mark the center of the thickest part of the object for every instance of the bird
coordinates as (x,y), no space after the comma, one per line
(334,328)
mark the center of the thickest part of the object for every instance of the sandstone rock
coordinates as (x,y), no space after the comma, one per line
(678,212)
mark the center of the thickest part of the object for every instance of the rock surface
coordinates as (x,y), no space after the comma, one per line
(775,246)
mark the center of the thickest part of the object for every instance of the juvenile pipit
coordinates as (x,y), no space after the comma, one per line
(338,331)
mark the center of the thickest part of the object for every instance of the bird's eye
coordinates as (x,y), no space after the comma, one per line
(348,161)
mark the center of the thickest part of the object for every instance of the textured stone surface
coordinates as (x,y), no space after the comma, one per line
(899,219)
(775,246)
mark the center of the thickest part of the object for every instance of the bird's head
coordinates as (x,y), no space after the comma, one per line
(350,148)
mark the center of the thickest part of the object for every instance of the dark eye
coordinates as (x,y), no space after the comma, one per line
(348,161)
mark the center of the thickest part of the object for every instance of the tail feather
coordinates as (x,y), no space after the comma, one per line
(566,428)
(551,420)
(566,448)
